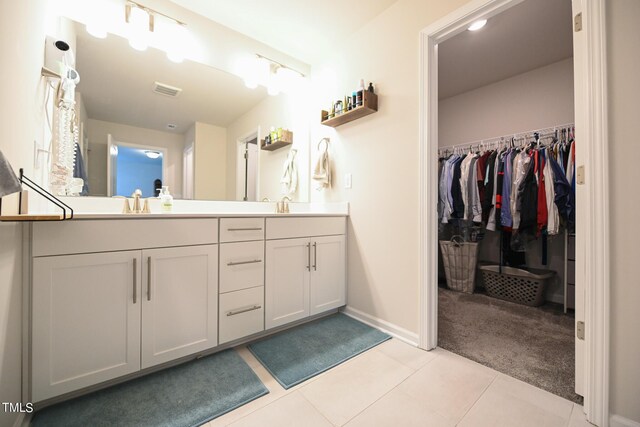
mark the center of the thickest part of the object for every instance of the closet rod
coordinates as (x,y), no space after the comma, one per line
(521,136)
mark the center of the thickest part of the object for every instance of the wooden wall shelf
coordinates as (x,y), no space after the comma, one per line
(274,145)
(369,106)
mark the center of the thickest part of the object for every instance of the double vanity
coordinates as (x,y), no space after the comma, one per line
(114,296)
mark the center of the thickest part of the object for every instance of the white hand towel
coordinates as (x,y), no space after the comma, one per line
(289,178)
(322,171)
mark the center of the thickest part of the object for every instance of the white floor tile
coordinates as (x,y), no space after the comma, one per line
(406,354)
(290,410)
(397,409)
(449,384)
(578,418)
(344,391)
(508,402)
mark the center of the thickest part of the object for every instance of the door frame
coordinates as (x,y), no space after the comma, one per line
(111,174)
(239,143)
(592,220)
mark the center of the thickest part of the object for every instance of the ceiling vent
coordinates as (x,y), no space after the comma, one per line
(166,90)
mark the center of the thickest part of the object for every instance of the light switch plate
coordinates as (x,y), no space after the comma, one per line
(347,180)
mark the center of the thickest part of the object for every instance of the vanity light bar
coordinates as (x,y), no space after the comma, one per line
(131,4)
(280,64)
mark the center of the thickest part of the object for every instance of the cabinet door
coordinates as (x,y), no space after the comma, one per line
(86,320)
(287,264)
(179,302)
(327,273)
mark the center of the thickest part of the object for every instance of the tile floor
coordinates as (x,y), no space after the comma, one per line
(395,384)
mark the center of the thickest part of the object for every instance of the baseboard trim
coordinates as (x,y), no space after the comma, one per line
(387,327)
(619,421)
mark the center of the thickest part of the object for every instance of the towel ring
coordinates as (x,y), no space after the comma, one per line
(326,141)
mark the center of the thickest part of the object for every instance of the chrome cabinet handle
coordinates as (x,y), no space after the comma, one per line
(309,256)
(244,310)
(245,229)
(244,262)
(315,256)
(135,280)
(149,279)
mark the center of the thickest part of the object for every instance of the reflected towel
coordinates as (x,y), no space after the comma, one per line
(289,178)
(9,182)
(322,171)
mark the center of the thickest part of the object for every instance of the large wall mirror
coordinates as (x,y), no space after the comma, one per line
(146,121)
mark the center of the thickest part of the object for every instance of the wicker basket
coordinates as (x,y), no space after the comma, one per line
(459,259)
(516,285)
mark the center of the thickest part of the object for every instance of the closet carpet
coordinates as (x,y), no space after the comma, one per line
(532,344)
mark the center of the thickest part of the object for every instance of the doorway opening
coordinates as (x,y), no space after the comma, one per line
(591,241)
(506,138)
(247,169)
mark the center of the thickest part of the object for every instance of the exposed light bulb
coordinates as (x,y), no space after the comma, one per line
(139,29)
(173,36)
(273,85)
(477,25)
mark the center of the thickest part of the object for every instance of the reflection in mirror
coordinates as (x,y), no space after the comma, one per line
(207,126)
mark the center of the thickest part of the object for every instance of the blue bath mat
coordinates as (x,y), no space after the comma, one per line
(302,352)
(183,396)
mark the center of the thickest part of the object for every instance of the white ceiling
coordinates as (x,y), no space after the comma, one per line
(304,29)
(116,84)
(529,35)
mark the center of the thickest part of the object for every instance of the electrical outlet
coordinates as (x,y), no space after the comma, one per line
(347,180)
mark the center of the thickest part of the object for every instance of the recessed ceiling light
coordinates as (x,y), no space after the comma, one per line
(477,25)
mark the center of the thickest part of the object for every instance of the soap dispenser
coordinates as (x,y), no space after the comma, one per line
(166,199)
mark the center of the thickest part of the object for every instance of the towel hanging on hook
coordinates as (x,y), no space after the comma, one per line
(322,170)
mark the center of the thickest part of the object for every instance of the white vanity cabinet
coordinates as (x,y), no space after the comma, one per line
(304,276)
(179,302)
(242,266)
(86,320)
(99,316)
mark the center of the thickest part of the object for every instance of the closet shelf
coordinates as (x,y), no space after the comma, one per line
(369,106)
(31,217)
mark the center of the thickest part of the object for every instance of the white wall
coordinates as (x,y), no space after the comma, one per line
(97,130)
(210,156)
(381,151)
(623,70)
(288,112)
(537,99)
(22,25)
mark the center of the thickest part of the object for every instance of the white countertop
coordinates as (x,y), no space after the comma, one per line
(111,208)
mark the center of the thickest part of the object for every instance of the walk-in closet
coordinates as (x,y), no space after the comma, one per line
(506,194)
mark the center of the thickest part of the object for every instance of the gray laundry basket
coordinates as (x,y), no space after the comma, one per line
(460,259)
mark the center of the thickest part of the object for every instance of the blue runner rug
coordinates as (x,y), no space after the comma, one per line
(182,396)
(302,352)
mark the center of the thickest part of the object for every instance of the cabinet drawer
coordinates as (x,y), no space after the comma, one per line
(84,236)
(241,229)
(241,265)
(287,228)
(241,314)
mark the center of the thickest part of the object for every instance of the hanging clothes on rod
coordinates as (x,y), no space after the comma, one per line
(522,184)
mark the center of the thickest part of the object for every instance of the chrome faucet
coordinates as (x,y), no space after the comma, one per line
(283,205)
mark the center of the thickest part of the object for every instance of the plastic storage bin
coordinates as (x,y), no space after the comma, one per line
(515,284)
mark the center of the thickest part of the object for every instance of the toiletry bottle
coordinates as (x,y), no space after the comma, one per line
(166,199)
(353,99)
(345,104)
(360,93)
(370,88)
(274,134)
